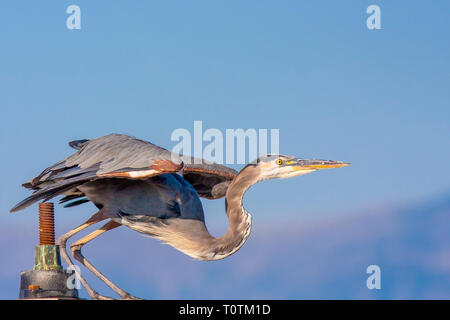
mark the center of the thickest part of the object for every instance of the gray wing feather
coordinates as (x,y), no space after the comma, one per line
(76,203)
(52,190)
(77,144)
(117,151)
(111,153)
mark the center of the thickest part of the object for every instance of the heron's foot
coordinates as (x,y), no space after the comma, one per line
(100,297)
(129,297)
(97,296)
(94,295)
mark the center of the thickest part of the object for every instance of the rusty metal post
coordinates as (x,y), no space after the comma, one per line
(46,224)
(46,255)
(47,279)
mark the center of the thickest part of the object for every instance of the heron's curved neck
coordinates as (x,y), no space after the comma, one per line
(239,220)
(191,236)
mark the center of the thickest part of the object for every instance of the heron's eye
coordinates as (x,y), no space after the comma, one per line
(279,162)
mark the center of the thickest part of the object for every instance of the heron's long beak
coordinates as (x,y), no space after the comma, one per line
(310,164)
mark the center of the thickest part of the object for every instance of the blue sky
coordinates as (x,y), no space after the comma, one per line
(336,90)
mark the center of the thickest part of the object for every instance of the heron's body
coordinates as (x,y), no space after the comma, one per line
(151,190)
(167,207)
(164,197)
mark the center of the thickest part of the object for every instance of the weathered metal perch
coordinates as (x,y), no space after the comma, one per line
(47,279)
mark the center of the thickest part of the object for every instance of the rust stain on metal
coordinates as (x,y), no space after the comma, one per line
(33,287)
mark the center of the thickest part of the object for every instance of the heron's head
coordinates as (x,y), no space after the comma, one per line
(279,166)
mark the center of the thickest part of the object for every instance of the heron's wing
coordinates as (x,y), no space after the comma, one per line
(111,156)
(77,144)
(210,179)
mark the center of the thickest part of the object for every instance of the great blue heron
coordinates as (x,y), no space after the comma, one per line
(151,190)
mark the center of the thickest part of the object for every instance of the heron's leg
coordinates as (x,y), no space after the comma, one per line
(62,240)
(76,252)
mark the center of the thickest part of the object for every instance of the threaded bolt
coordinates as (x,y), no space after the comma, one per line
(46,224)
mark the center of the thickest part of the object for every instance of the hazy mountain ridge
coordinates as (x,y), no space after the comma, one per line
(318,260)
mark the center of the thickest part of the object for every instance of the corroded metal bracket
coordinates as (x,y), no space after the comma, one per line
(38,284)
(46,257)
(47,279)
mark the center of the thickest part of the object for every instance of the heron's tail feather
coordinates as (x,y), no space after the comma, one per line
(76,203)
(52,190)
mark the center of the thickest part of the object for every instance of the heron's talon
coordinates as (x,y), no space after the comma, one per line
(129,297)
(100,297)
